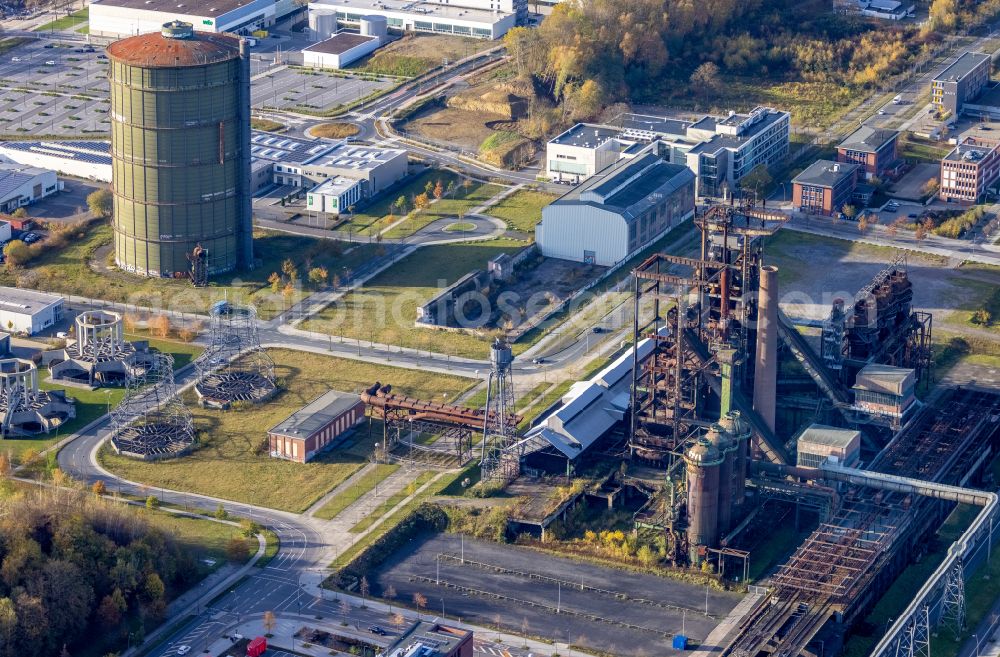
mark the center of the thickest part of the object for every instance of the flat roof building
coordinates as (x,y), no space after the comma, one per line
(618,211)
(825,187)
(334,195)
(122,18)
(969,170)
(339,50)
(482,19)
(720,151)
(432,639)
(317,426)
(960,82)
(583,150)
(874,149)
(27,312)
(884,390)
(819,443)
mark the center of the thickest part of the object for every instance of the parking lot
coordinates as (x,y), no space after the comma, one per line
(602,608)
(53,89)
(313,90)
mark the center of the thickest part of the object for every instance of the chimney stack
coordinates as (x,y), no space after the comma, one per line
(766,367)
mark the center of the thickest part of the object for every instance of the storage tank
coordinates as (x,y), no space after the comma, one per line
(376,26)
(739,432)
(180,148)
(322,24)
(702,461)
(726,446)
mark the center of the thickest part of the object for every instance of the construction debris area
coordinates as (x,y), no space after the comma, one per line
(596,607)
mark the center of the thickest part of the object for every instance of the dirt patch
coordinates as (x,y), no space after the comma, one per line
(462,127)
(417,53)
(911,185)
(539,289)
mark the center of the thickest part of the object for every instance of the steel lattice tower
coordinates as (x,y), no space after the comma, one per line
(953,602)
(151,421)
(234,367)
(500,464)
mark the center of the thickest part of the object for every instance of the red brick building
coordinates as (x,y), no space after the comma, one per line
(874,149)
(825,187)
(969,170)
(316,426)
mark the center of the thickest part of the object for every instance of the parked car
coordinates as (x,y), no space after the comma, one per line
(537,361)
(30,238)
(183,650)
(62,335)
(912,215)
(15,59)
(51,62)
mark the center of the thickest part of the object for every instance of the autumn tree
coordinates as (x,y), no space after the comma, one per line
(397,621)
(390,595)
(269,622)
(289,269)
(318,275)
(100,203)
(706,77)
(99,488)
(364,589)
(275,281)
(421,201)
(438,190)
(420,600)
(16,253)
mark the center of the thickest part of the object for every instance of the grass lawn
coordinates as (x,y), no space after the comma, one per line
(66,22)
(201,537)
(392,502)
(460,227)
(418,53)
(69,271)
(919,149)
(337,504)
(456,206)
(522,210)
(231,461)
(374,218)
(266,124)
(386,307)
(334,130)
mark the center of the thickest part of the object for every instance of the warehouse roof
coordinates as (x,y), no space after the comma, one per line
(193,7)
(357,157)
(961,67)
(288,150)
(867,139)
(155,50)
(14,176)
(825,173)
(340,43)
(93,152)
(419,10)
(26,302)
(821,434)
(626,184)
(885,378)
(316,415)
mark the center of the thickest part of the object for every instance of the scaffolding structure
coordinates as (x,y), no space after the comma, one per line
(406,420)
(98,354)
(501,460)
(25,409)
(837,569)
(879,327)
(234,367)
(152,422)
(700,307)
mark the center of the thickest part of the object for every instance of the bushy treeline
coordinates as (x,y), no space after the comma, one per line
(591,53)
(75,569)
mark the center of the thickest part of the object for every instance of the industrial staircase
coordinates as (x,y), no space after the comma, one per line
(811,362)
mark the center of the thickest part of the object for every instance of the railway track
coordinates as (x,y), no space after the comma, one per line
(835,565)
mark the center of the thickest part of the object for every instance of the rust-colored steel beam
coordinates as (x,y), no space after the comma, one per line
(382,401)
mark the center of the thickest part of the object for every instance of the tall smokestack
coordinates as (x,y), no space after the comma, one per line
(766,368)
